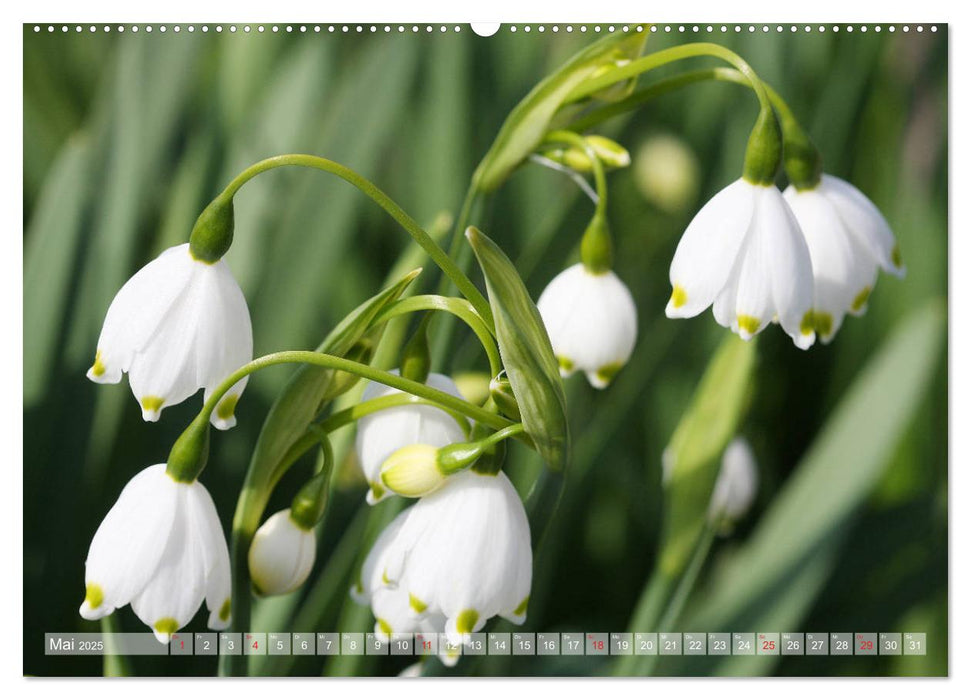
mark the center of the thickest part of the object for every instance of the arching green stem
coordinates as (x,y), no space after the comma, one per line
(448,266)
(459,308)
(662,58)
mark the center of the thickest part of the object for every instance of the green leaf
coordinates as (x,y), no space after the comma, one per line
(300,402)
(696,447)
(529,121)
(50,259)
(776,576)
(526,353)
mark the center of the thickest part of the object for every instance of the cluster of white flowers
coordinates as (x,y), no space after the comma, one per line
(178,325)
(803,259)
(458,557)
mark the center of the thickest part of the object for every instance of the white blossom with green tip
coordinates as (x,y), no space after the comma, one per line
(178,325)
(849,240)
(591,319)
(281,555)
(160,548)
(744,255)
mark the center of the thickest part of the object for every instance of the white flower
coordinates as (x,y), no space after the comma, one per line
(592,322)
(281,555)
(848,241)
(385,432)
(457,558)
(737,483)
(744,255)
(179,324)
(161,548)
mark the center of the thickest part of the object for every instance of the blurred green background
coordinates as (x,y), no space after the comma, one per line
(127,137)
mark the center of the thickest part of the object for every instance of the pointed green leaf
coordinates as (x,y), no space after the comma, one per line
(529,121)
(526,352)
(773,580)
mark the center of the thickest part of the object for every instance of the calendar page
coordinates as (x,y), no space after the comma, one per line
(428,349)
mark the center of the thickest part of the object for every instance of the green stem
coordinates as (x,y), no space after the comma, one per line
(600,179)
(662,58)
(443,260)
(394,381)
(351,415)
(460,308)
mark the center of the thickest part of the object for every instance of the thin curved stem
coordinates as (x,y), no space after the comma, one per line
(662,87)
(439,256)
(600,179)
(662,58)
(459,308)
(307,357)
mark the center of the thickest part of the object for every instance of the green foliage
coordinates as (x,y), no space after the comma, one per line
(526,353)
(126,139)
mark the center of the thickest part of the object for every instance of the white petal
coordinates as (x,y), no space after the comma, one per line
(708,249)
(178,586)
(843,273)
(216,553)
(591,320)
(129,543)
(137,310)
(468,551)
(789,266)
(281,555)
(393,613)
(382,433)
(373,570)
(863,220)
(225,341)
(753,289)
(737,482)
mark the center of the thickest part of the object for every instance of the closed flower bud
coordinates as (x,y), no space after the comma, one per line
(736,484)
(592,323)
(281,555)
(178,325)
(161,548)
(381,434)
(744,255)
(610,154)
(848,240)
(413,471)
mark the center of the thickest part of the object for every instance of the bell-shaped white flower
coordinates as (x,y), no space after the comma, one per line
(744,255)
(592,322)
(161,548)
(281,555)
(381,434)
(736,484)
(848,241)
(178,325)
(463,552)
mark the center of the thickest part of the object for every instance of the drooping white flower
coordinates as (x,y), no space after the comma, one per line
(463,552)
(385,432)
(848,241)
(744,255)
(592,322)
(281,555)
(161,548)
(178,325)
(736,484)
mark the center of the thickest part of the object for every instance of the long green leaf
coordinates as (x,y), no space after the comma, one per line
(773,580)
(526,353)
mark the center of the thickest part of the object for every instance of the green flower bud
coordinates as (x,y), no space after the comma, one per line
(189,454)
(596,248)
(502,395)
(610,154)
(212,234)
(764,151)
